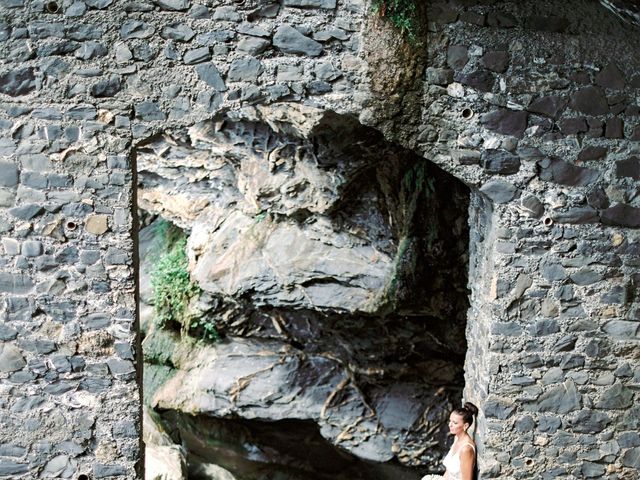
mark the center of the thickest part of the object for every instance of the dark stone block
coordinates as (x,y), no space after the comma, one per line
(552,24)
(179,32)
(502,20)
(596,128)
(498,408)
(614,128)
(564,173)
(632,111)
(635,136)
(621,215)
(103,471)
(561,399)
(441,14)
(18,82)
(499,191)
(592,153)
(571,360)
(589,421)
(550,106)
(457,57)
(573,126)
(209,74)
(505,121)
(629,168)
(26,212)
(439,76)
(482,80)
(467,157)
(631,458)
(500,162)
(473,18)
(245,70)
(9,174)
(611,77)
(197,55)
(107,87)
(577,215)
(290,40)
(544,327)
(629,439)
(125,429)
(82,112)
(580,77)
(616,397)
(565,344)
(136,29)
(552,271)
(318,87)
(548,424)
(496,61)
(618,295)
(590,100)
(149,111)
(532,205)
(585,276)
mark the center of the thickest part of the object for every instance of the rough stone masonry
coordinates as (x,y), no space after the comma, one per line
(534,105)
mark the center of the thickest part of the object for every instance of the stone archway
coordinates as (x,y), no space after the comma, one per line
(334,267)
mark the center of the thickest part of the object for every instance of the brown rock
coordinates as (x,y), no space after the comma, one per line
(96,224)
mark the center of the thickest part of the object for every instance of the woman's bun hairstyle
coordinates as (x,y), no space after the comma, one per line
(467,412)
(472,408)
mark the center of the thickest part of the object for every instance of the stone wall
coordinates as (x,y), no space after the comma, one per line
(531,104)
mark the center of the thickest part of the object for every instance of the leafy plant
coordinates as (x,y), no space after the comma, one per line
(207,330)
(401,13)
(172,285)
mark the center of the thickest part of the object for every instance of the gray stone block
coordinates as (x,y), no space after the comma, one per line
(290,40)
(18,82)
(9,174)
(197,55)
(310,3)
(149,111)
(245,70)
(179,32)
(589,421)
(559,399)
(136,29)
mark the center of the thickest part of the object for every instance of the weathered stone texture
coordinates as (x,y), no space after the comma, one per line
(554,309)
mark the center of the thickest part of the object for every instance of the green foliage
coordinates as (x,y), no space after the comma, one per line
(206,330)
(401,13)
(172,285)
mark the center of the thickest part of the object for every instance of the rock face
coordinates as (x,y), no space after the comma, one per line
(532,105)
(316,244)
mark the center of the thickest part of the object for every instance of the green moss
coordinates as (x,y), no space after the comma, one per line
(401,13)
(172,285)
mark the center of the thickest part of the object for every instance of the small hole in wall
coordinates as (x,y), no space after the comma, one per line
(467,113)
(52,7)
(71,225)
(528,462)
(83,477)
(547,221)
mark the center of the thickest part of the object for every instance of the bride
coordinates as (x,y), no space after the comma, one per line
(460,462)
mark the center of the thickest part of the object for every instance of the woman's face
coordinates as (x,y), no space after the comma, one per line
(456,424)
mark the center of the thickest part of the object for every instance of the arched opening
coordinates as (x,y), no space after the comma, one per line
(325,297)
